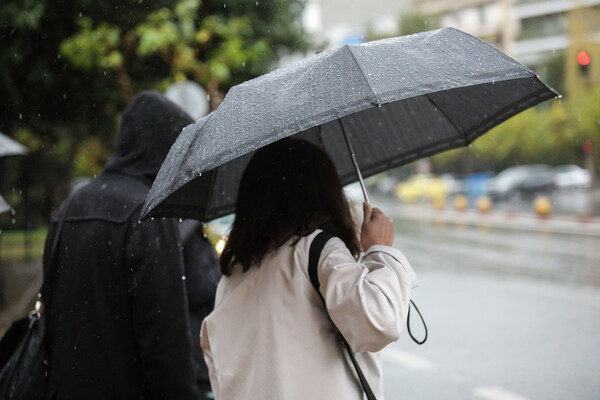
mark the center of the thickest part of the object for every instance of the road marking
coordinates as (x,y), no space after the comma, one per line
(496,393)
(407,360)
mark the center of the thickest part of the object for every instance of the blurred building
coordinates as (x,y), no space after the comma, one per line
(339,22)
(489,20)
(530,31)
(542,34)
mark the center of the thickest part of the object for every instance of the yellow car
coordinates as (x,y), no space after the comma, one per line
(421,186)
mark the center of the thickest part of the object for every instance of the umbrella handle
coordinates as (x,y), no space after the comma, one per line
(355,163)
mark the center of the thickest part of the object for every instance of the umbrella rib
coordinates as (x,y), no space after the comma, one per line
(377,102)
(461,133)
(213,178)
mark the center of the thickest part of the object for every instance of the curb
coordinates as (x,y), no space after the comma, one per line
(510,220)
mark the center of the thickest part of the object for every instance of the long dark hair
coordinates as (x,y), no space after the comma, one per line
(289,188)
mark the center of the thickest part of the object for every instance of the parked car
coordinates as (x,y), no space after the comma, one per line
(421,186)
(522,180)
(453,184)
(572,176)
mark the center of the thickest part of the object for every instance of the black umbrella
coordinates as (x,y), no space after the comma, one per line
(371,106)
(4,206)
(9,147)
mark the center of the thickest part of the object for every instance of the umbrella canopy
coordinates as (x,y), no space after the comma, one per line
(4,207)
(395,100)
(9,147)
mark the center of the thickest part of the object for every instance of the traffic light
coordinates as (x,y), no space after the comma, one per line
(583,59)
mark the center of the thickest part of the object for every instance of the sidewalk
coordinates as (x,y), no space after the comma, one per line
(19,285)
(512,220)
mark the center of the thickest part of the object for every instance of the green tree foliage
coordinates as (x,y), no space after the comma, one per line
(216,50)
(69,67)
(553,72)
(413,21)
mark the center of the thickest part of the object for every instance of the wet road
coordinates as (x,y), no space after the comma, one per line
(513,314)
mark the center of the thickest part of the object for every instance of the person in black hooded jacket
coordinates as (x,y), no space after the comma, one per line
(115,305)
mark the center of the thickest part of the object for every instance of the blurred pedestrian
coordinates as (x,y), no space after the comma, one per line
(201,277)
(270,336)
(117,326)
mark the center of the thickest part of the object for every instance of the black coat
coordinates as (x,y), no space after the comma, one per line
(117,325)
(202,276)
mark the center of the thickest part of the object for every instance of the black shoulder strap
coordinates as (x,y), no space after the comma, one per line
(313,263)
(313,258)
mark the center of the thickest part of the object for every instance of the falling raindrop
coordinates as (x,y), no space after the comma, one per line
(20,116)
(180,220)
(224,5)
(183,278)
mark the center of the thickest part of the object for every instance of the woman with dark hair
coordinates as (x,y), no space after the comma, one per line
(270,335)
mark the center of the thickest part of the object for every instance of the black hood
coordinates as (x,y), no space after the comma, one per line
(149,127)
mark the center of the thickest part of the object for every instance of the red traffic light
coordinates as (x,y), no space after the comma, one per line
(583,58)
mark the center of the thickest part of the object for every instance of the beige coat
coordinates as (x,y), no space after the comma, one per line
(269,336)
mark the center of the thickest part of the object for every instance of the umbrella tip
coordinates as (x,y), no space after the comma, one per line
(144,215)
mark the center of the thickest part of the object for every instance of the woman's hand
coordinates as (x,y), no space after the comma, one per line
(377,228)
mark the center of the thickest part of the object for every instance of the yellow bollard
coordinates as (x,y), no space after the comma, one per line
(461,202)
(542,206)
(484,204)
(438,202)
